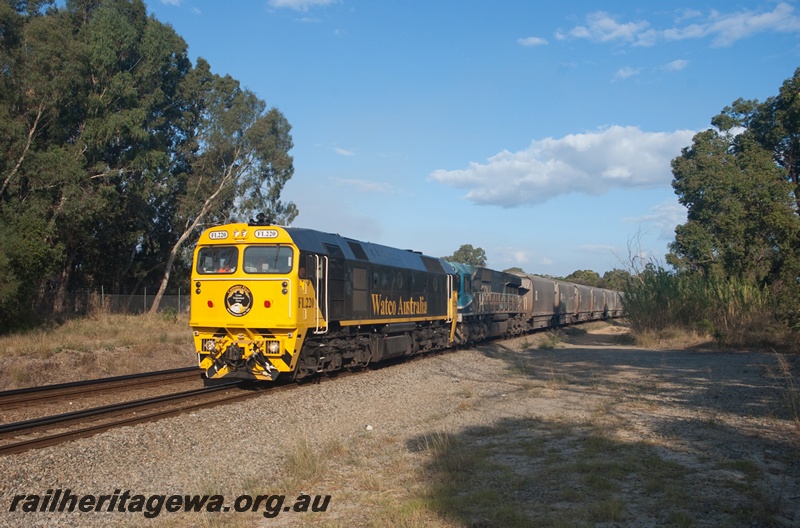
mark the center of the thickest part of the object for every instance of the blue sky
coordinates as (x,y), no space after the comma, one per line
(539,131)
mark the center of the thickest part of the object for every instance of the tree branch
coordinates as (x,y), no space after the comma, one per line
(31,134)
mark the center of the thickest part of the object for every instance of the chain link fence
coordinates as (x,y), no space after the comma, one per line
(86,301)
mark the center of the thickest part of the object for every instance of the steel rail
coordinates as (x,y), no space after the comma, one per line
(11,399)
(64,419)
(109,411)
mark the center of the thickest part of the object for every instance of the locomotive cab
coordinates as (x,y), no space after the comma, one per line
(249,306)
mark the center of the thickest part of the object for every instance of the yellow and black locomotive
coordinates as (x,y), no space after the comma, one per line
(270,301)
(274,301)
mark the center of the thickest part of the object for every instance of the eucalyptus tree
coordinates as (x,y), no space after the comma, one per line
(43,83)
(773,124)
(585,277)
(238,164)
(616,279)
(740,218)
(467,254)
(739,183)
(114,150)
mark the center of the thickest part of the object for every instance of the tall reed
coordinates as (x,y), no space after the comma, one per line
(733,311)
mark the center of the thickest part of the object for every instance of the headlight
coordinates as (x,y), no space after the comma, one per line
(273,347)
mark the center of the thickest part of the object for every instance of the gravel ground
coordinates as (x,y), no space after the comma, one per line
(588,433)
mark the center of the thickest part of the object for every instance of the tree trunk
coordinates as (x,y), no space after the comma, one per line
(230,172)
(63,284)
(165,280)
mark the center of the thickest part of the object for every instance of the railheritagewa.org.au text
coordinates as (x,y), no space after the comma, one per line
(153,505)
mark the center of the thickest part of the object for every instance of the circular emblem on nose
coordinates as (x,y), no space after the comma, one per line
(238,300)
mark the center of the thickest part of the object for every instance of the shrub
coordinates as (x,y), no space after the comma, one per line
(733,311)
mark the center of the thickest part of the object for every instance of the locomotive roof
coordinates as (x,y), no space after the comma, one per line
(337,245)
(487,274)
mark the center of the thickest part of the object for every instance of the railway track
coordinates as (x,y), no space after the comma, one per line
(25,435)
(60,428)
(13,399)
(45,431)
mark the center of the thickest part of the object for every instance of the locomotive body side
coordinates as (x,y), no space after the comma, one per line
(273,302)
(490,304)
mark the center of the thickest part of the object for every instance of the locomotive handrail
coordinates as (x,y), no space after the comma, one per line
(449,296)
(498,302)
(324,307)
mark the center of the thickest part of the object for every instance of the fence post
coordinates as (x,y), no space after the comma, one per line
(144,308)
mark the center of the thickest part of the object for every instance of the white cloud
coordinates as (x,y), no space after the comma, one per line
(624,73)
(730,28)
(515,256)
(590,163)
(298,5)
(175,3)
(601,27)
(723,28)
(676,65)
(664,217)
(365,186)
(344,152)
(531,41)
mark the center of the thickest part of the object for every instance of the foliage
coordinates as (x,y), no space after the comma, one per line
(585,277)
(114,150)
(741,222)
(466,254)
(734,311)
(615,279)
(740,183)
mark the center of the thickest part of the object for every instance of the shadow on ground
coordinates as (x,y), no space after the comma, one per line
(681,439)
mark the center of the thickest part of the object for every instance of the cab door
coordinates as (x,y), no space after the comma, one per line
(315,270)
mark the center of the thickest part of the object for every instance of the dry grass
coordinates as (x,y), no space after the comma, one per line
(763,335)
(515,473)
(786,381)
(96,346)
(672,338)
(550,340)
